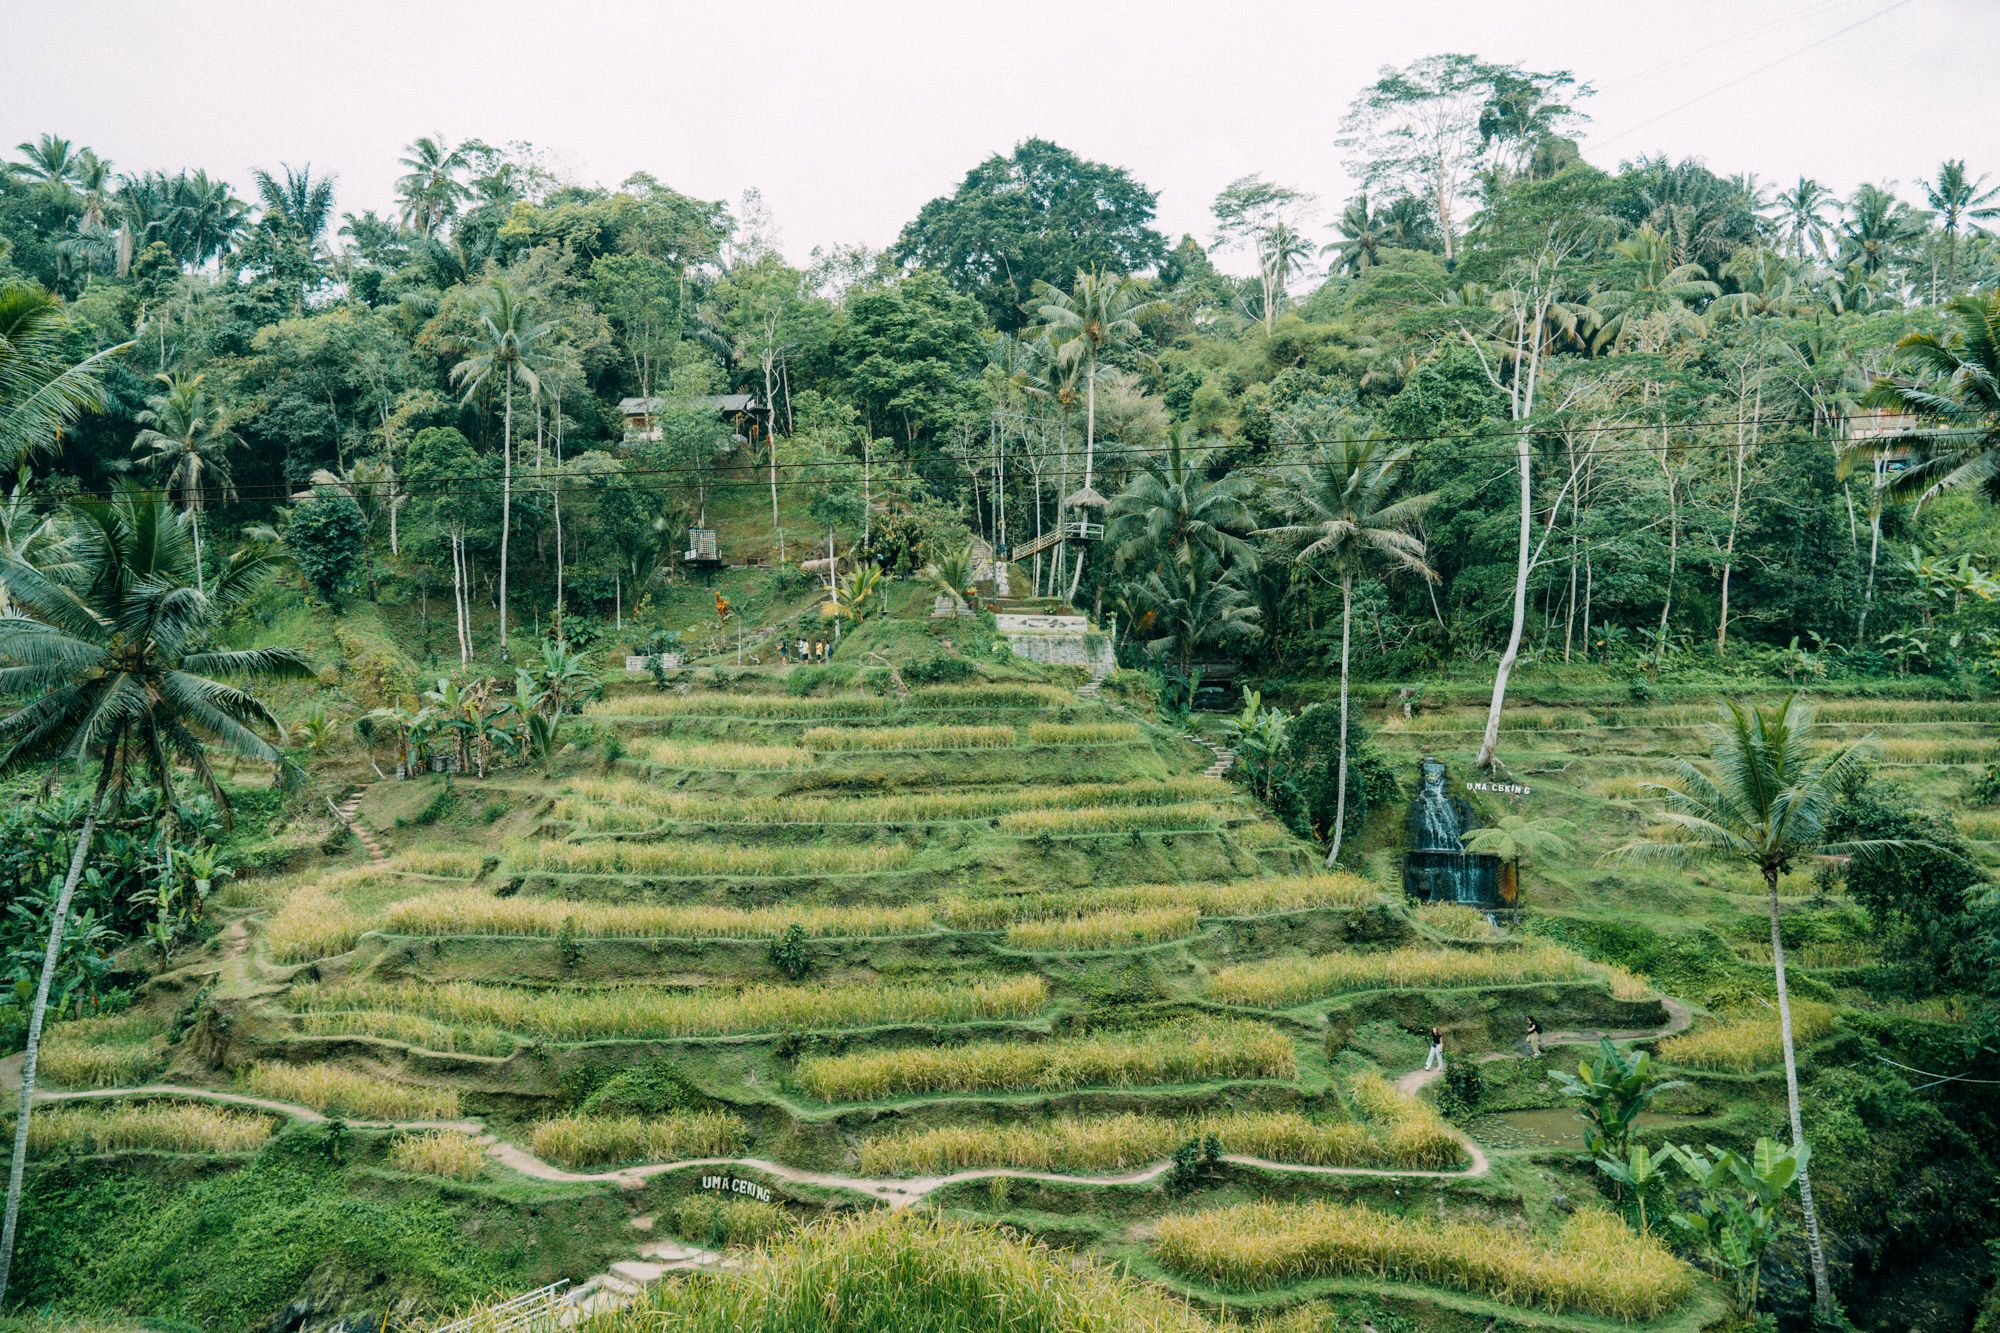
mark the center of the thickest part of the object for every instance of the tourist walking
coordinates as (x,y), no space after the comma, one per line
(784,651)
(1534,1036)
(1437,1051)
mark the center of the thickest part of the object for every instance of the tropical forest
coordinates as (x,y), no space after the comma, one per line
(1421,758)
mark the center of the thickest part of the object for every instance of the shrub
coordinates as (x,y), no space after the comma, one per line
(717,1222)
(1747,1043)
(446,1152)
(338,1091)
(639,1012)
(327,539)
(940,668)
(1596,1265)
(1189,1052)
(1287,981)
(581,1140)
(147,1126)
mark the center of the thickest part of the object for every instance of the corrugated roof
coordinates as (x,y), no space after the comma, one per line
(728,402)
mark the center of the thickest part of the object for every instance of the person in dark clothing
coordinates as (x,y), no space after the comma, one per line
(1535,1036)
(1436,1055)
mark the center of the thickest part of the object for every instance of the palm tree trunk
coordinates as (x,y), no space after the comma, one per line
(1491,742)
(1340,770)
(17,1171)
(1089,449)
(1822,1286)
(506,502)
(194,522)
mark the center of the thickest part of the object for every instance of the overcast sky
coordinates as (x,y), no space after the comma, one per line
(848,116)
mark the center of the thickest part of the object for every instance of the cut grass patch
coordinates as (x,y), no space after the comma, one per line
(1595,1265)
(639,1012)
(1279,982)
(1188,1052)
(579,1140)
(337,1091)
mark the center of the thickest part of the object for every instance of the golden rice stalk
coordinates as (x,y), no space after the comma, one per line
(1081,733)
(591,1140)
(149,1126)
(1595,1265)
(1245,897)
(708,1219)
(338,1091)
(115,1051)
(1195,815)
(1455,921)
(639,1012)
(1751,1042)
(422,1033)
(444,1152)
(907,738)
(476,912)
(1280,982)
(992,696)
(1104,930)
(315,922)
(1189,1052)
(680,857)
(716,756)
(446,865)
(749,706)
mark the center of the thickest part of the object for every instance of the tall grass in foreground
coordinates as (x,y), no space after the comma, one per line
(1104,930)
(612,804)
(476,912)
(700,858)
(443,1152)
(1116,819)
(1245,897)
(1187,1052)
(638,1011)
(1280,982)
(580,1140)
(112,1052)
(338,1091)
(753,706)
(719,1222)
(907,1271)
(149,1126)
(716,756)
(1402,1133)
(1081,733)
(1748,1043)
(1596,1265)
(907,738)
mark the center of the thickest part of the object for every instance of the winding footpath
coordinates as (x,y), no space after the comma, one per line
(1679,1019)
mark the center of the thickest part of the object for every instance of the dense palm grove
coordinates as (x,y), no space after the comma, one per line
(1502,410)
(1675,360)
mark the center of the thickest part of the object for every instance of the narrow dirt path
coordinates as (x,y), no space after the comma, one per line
(349,812)
(1679,1019)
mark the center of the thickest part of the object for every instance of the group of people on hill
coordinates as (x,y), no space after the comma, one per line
(1436,1056)
(810,651)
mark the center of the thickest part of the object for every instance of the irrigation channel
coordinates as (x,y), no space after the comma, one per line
(628,1279)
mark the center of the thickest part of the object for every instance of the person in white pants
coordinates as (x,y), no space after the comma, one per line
(1437,1051)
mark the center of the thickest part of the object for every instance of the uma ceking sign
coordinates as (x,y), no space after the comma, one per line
(731,1185)
(1506,788)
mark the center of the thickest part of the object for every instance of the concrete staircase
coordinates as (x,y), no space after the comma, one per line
(349,812)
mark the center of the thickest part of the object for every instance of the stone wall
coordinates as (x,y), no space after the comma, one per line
(1057,641)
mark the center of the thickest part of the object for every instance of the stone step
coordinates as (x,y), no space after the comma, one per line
(636,1271)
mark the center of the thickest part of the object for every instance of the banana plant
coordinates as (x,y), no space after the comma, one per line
(1739,1209)
(1640,1173)
(1258,736)
(1613,1092)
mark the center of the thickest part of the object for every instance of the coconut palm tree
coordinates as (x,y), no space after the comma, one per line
(1763,801)
(1955,198)
(1802,217)
(1958,399)
(189,436)
(1876,230)
(297,212)
(1342,511)
(51,161)
(1100,316)
(432,191)
(1169,504)
(114,654)
(1190,601)
(505,351)
(41,390)
(951,574)
(1363,237)
(1654,283)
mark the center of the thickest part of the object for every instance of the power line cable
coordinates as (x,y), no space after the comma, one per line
(1723,45)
